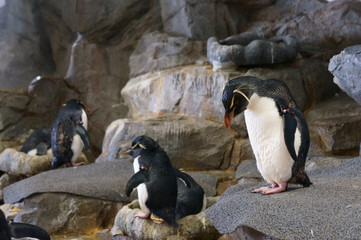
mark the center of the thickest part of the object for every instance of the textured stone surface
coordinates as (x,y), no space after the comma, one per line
(22,164)
(157,51)
(6,180)
(189,18)
(242,49)
(65,213)
(190,227)
(190,142)
(346,67)
(335,125)
(314,211)
(104,181)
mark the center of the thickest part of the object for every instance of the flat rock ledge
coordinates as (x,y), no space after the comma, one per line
(191,227)
(330,209)
(249,49)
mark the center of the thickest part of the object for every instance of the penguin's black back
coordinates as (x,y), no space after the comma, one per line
(22,230)
(189,199)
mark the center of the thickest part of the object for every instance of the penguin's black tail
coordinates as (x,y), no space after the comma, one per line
(301,178)
(168,215)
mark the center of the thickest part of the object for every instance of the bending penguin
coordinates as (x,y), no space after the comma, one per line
(191,198)
(20,230)
(155,180)
(277,130)
(38,143)
(69,134)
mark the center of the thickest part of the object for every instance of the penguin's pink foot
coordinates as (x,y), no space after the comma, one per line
(141,214)
(275,188)
(78,164)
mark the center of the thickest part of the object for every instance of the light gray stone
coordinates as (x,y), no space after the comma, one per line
(190,227)
(248,169)
(329,209)
(158,51)
(197,20)
(190,142)
(346,67)
(6,180)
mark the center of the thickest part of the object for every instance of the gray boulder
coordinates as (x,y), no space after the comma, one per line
(197,20)
(346,68)
(191,227)
(335,125)
(190,142)
(329,209)
(248,49)
(65,214)
(105,181)
(158,51)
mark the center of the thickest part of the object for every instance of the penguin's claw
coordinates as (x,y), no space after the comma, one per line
(275,188)
(141,214)
(156,219)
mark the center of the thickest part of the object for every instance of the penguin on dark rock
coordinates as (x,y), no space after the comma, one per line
(20,230)
(191,198)
(69,134)
(155,180)
(277,130)
(38,143)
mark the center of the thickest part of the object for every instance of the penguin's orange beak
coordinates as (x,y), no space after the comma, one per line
(228,117)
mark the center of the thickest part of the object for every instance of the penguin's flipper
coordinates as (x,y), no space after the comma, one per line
(183,176)
(290,126)
(22,230)
(42,149)
(140,177)
(83,133)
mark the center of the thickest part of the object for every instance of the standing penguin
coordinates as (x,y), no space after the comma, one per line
(155,180)
(69,134)
(277,130)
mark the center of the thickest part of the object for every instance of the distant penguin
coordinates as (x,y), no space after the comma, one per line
(155,180)
(277,130)
(190,199)
(38,143)
(20,230)
(69,134)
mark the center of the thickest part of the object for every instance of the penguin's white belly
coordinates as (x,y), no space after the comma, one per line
(77,147)
(141,189)
(265,129)
(84,119)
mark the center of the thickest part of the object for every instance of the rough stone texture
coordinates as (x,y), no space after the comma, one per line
(314,211)
(158,51)
(335,125)
(196,90)
(302,19)
(247,169)
(346,67)
(242,49)
(197,20)
(6,180)
(25,52)
(104,181)
(22,164)
(190,142)
(69,213)
(191,227)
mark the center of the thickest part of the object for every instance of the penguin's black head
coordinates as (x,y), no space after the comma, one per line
(74,103)
(236,96)
(141,145)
